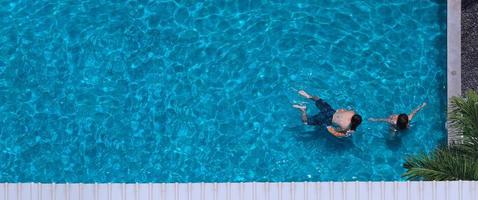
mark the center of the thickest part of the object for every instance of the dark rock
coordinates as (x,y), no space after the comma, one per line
(469,42)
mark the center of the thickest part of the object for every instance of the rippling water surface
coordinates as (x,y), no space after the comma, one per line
(186,91)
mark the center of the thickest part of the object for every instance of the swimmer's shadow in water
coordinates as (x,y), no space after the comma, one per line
(394,139)
(394,142)
(321,135)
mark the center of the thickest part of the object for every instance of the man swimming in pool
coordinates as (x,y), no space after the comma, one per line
(340,123)
(400,121)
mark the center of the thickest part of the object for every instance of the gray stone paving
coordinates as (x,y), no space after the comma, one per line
(469,42)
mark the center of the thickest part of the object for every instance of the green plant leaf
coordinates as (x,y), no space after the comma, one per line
(458,162)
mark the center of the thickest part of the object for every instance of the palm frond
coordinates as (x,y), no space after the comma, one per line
(464,114)
(443,164)
(458,162)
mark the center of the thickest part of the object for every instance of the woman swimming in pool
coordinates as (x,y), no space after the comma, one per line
(340,123)
(400,121)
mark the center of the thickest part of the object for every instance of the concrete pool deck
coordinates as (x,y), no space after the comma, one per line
(454,72)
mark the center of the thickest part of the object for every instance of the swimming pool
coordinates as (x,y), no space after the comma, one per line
(176,91)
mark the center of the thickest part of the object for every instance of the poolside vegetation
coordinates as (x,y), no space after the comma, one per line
(454,162)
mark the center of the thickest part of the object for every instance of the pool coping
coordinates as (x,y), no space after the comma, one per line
(438,190)
(453,62)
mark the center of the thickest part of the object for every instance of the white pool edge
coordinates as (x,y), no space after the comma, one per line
(453,60)
(456,190)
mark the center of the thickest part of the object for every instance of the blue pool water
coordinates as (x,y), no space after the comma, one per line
(181,91)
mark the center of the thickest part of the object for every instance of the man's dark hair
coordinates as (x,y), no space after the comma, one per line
(402,121)
(355,122)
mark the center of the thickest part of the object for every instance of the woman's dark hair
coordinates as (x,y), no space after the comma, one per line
(402,121)
(355,122)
